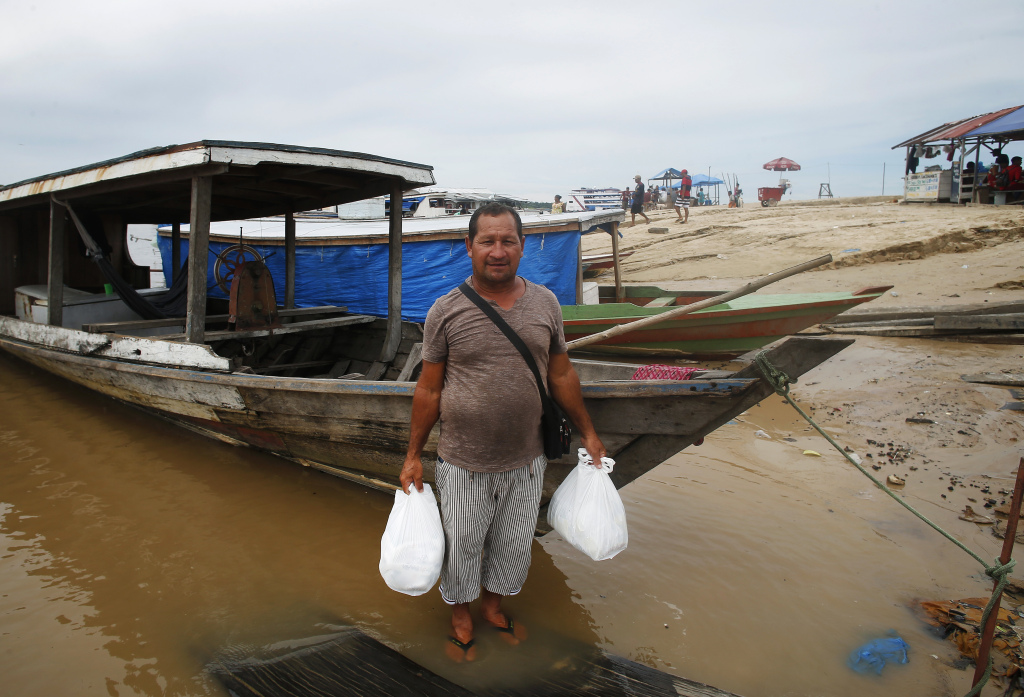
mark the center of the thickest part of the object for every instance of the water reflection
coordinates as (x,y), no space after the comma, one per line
(155,548)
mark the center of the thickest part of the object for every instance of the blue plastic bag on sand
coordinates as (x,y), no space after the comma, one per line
(873,655)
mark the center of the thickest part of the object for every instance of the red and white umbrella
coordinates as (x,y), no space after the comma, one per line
(782,164)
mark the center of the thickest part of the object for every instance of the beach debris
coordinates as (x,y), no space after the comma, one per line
(919,420)
(721,256)
(812,453)
(873,655)
(658,230)
(761,434)
(894,294)
(1004,510)
(895,480)
(999,530)
(850,251)
(960,620)
(971,516)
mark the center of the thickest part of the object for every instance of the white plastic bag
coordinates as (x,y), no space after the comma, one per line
(412,547)
(586,510)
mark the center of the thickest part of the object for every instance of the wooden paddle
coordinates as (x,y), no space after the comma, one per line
(693,307)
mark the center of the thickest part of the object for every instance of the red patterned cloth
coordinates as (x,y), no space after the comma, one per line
(663,372)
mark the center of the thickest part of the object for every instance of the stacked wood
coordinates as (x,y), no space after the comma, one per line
(980,323)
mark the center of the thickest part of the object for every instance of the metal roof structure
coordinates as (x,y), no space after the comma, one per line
(956,129)
(1009,126)
(249,180)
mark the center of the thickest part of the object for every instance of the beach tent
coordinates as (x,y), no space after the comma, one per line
(666,175)
(1010,126)
(705,180)
(967,137)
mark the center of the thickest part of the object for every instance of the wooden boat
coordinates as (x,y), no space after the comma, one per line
(722,331)
(594,264)
(321,387)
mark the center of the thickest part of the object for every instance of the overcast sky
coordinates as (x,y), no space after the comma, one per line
(525,98)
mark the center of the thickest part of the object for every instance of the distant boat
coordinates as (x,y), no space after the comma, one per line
(722,331)
(594,199)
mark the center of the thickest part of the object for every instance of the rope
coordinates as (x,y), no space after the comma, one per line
(780,382)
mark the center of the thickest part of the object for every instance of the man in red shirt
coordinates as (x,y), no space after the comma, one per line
(683,197)
(1015,174)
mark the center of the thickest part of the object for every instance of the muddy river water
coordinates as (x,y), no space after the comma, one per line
(132,551)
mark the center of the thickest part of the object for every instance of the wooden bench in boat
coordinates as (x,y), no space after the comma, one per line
(663,301)
(170,323)
(292,328)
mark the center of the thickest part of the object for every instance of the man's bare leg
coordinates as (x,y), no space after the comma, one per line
(679,216)
(687,218)
(490,609)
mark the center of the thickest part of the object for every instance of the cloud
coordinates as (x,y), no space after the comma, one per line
(525,97)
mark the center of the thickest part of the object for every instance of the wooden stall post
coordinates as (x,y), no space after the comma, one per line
(198,249)
(579,272)
(55,279)
(289,260)
(615,257)
(175,251)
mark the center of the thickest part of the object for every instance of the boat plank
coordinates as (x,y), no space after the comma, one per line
(131,348)
(351,663)
(1010,379)
(886,313)
(119,327)
(969,323)
(292,328)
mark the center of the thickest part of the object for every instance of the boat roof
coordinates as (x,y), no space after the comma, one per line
(319,230)
(249,180)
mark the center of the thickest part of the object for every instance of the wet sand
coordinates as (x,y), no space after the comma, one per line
(133,551)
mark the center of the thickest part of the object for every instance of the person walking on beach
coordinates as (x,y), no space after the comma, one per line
(625,199)
(638,201)
(683,197)
(490,466)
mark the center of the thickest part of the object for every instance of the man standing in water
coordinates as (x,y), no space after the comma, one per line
(638,201)
(491,463)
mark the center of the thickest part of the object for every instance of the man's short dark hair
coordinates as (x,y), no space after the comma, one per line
(494,210)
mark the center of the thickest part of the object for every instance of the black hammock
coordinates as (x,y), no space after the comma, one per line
(171,303)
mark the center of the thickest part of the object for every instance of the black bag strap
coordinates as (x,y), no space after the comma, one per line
(520,345)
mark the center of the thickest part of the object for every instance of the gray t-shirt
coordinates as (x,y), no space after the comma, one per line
(490,406)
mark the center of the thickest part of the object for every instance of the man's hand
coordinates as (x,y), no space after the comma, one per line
(595,448)
(412,473)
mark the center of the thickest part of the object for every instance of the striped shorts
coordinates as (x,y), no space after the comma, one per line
(489,519)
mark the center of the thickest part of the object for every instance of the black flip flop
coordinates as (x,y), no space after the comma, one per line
(464,646)
(509,629)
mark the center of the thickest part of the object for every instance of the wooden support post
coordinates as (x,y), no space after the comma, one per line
(198,249)
(615,257)
(55,280)
(988,631)
(289,260)
(175,251)
(579,272)
(393,336)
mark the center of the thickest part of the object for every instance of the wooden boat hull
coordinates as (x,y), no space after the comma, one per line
(722,331)
(359,429)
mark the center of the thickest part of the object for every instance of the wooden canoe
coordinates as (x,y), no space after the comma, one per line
(359,429)
(722,331)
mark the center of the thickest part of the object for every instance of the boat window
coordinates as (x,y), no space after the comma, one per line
(437,203)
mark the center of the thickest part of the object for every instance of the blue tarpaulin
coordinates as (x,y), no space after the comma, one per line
(705,180)
(1014,121)
(666,174)
(357,275)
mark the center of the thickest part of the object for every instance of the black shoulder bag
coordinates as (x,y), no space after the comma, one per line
(556,431)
